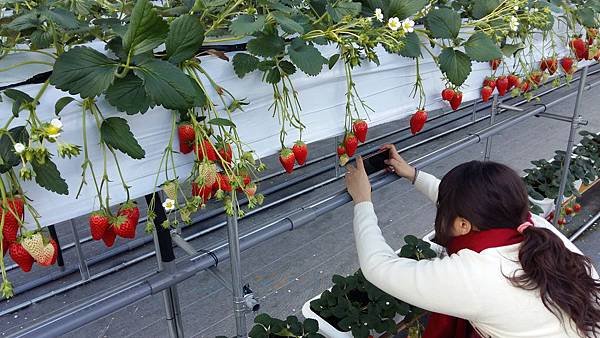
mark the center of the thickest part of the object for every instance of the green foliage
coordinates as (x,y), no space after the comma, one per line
(7,153)
(146,29)
(244,63)
(265,326)
(185,38)
(166,85)
(115,133)
(306,57)
(128,95)
(479,47)
(455,64)
(48,177)
(443,23)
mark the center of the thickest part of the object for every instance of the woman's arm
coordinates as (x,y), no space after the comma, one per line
(439,285)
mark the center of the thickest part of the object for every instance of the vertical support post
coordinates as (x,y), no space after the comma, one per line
(569,151)
(83,267)
(164,250)
(236,273)
(59,259)
(488,142)
(474,115)
(336,158)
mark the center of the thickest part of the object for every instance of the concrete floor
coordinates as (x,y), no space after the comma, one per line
(293,267)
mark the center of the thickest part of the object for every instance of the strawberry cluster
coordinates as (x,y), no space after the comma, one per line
(347,148)
(106,227)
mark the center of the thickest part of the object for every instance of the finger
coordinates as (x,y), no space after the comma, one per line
(385,146)
(350,168)
(359,163)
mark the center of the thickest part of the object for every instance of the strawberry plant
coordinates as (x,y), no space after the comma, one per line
(267,327)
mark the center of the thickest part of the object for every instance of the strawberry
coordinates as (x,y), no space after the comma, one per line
(486,92)
(536,77)
(187,136)
(344,159)
(16,206)
(447,94)
(490,81)
(250,190)
(597,54)
(543,65)
(207,174)
(131,210)
(205,150)
(20,256)
(579,47)
(576,207)
(456,100)
(224,150)
(341,150)
(524,87)
(222,183)
(495,63)
(5,245)
(360,129)
(287,159)
(123,226)
(109,236)
(417,121)
(300,152)
(513,81)
(170,189)
(350,143)
(34,244)
(502,85)
(568,210)
(562,221)
(550,65)
(204,191)
(55,246)
(567,65)
(98,223)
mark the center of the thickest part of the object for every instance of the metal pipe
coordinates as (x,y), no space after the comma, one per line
(233,239)
(488,141)
(584,227)
(59,258)
(83,268)
(569,151)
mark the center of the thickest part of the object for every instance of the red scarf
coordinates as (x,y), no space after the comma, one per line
(444,326)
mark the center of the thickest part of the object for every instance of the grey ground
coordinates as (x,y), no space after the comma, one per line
(293,267)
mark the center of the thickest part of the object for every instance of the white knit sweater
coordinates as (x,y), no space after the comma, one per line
(467,285)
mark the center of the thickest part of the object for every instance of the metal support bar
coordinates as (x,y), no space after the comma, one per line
(83,267)
(580,121)
(584,227)
(569,151)
(164,250)
(59,258)
(488,142)
(236,273)
(510,108)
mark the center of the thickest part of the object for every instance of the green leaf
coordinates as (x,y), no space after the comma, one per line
(146,29)
(482,8)
(61,103)
(48,177)
(62,17)
(24,21)
(480,47)
(272,76)
(17,95)
(244,63)
(83,71)
(184,39)
(307,57)
(128,95)
(311,325)
(511,49)
(341,8)
(8,157)
(412,46)
(247,24)
(287,24)
(287,67)
(456,65)
(333,60)
(222,122)
(403,9)
(267,45)
(40,39)
(586,17)
(166,84)
(443,23)
(115,132)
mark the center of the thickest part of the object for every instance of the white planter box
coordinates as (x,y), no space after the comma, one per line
(547,205)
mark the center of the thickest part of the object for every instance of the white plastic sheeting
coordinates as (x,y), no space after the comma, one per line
(385,88)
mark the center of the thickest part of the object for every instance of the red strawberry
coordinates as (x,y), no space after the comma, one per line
(543,65)
(131,210)
(16,206)
(550,64)
(98,223)
(486,92)
(490,82)
(187,136)
(597,55)
(502,85)
(360,128)
(513,81)
(287,159)
(205,150)
(350,143)
(524,87)
(447,94)
(20,256)
(222,183)
(55,256)
(568,210)
(109,236)
(5,245)
(224,150)
(562,221)
(300,152)
(250,190)
(567,65)
(341,150)
(536,77)
(417,121)
(123,226)
(579,47)
(456,100)
(495,63)
(576,207)
(204,191)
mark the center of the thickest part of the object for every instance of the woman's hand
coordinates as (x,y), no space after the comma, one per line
(401,168)
(357,182)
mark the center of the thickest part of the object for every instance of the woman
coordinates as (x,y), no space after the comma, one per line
(509,274)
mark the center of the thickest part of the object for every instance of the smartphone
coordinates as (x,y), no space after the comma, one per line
(375,162)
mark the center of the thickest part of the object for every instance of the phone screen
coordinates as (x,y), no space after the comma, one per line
(375,162)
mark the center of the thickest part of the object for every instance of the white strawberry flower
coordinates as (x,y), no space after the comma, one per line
(379,14)
(408,25)
(394,23)
(19,148)
(514,23)
(56,123)
(169,204)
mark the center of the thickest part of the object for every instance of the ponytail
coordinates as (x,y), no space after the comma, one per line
(564,279)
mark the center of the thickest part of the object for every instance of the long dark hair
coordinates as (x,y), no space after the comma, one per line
(491,195)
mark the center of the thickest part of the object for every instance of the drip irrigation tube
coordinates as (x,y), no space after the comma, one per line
(99,307)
